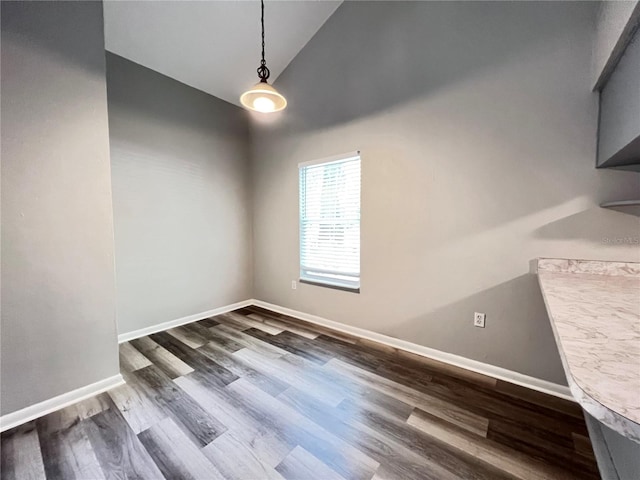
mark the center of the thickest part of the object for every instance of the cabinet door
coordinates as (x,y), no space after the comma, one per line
(618,457)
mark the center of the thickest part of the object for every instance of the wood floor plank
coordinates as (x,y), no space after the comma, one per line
(66,450)
(349,353)
(266,440)
(242,369)
(337,454)
(120,453)
(91,406)
(439,368)
(200,329)
(301,465)
(249,342)
(223,341)
(228,321)
(208,322)
(257,324)
(65,418)
(456,461)
(175,455)
(135,405)
(515,463)
(307,325)
(539,398)
(8,457)
(393,363)
(368,378)
(237,460)
(450,390)
(384,473)
(389,361)
(21,454)
(289,374)
(446,410)
(401,461)
(582,445)
(187,336)
(541,444)
(212,336)
(493,405)
(324,331)
(406,375)
(377,346)
(392,397)
(306,345)
(131,359)
(349,387)
(372,399)
(199,425)
(217,374)
(287,345)
(289,327)
(161,358)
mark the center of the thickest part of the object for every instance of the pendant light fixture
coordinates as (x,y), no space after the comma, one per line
(262,97)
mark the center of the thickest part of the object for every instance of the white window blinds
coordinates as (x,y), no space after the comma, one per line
(330,221)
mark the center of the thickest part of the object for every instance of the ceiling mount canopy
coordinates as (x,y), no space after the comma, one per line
(262,97)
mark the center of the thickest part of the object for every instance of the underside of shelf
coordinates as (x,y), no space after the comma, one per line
(620,203)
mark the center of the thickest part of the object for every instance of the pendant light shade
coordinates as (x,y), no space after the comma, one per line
(262,97)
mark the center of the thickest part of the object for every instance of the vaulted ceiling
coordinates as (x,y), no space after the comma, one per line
(212,45)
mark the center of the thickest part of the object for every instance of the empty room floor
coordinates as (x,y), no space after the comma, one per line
(257,395)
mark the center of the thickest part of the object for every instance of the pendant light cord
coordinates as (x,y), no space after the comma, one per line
(262,23)
(263,71)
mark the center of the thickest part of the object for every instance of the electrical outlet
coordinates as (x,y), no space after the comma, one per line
(478,319)
(294,285)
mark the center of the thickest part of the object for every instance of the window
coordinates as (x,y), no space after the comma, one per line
(330,222)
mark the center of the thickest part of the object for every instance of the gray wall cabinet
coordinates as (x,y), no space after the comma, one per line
(619,130)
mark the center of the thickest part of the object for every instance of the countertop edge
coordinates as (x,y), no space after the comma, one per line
(602,413)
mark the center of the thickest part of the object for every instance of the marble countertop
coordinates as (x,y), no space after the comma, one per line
(594,308)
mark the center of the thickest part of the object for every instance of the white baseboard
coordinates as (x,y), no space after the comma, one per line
(160,327)
(32,412)
(499,373)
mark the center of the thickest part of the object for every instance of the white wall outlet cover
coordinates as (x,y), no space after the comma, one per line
(479,319)
(294,285)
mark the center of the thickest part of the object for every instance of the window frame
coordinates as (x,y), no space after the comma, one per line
(303,275)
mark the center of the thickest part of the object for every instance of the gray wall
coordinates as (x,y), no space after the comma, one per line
(181,203)
(58,295)
(477,128)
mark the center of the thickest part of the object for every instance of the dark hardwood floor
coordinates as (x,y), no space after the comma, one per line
(255,395)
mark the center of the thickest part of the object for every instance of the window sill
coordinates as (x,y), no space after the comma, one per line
(328,285)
